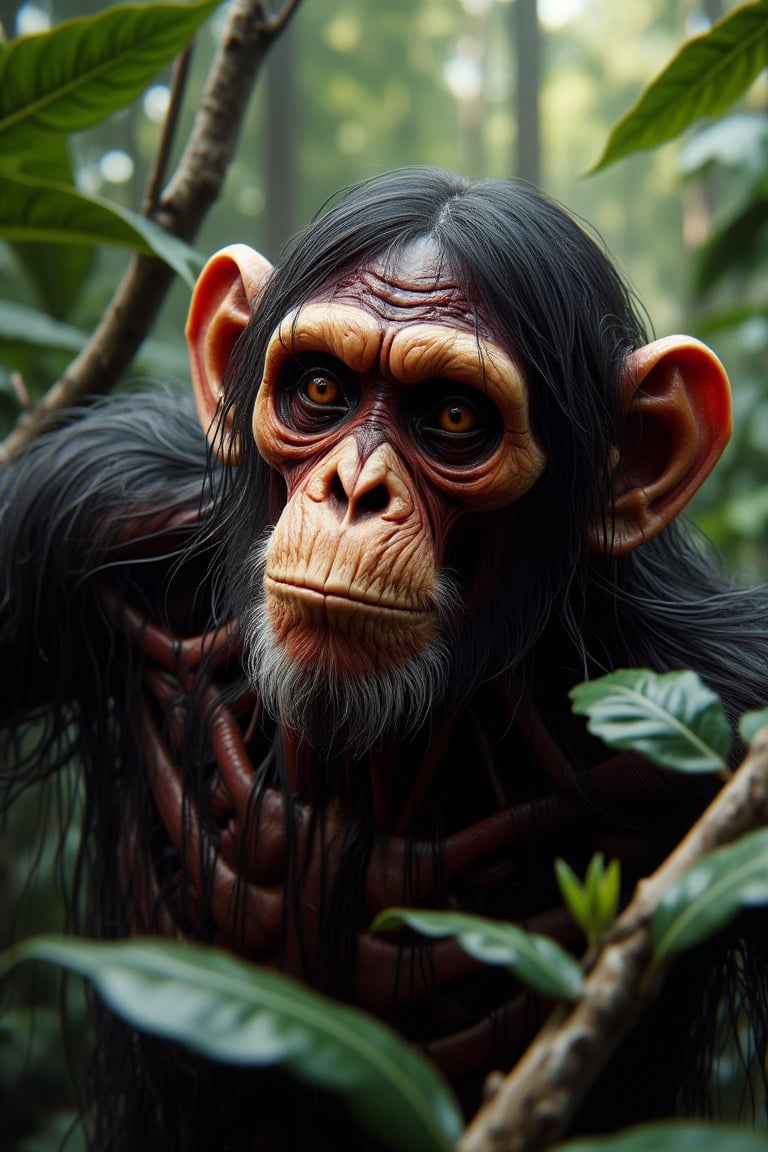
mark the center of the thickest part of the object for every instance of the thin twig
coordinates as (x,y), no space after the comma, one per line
(195,186)
(535,1103)
(278,22)
(170,124)
(20,391)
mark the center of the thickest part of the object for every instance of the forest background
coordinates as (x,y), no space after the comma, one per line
(489,88)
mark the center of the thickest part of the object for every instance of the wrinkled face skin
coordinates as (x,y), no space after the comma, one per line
(391,413)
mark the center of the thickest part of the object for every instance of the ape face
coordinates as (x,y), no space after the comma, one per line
(391,413)
(398,417)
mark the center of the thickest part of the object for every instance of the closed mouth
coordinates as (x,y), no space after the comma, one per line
(345,602)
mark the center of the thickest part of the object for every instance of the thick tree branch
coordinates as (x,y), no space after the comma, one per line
(195,186)
(535,1102)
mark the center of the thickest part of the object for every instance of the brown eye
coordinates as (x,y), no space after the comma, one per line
(454,423)
(322,389)
(316,392)
(456,417)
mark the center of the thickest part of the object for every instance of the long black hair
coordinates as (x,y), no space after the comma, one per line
(556,303)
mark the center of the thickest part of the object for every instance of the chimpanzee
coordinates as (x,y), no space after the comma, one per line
(314,660)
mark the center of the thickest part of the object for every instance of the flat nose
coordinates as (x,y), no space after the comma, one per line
(359,488)
(362,489)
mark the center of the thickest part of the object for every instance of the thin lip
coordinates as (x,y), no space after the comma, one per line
(335,599)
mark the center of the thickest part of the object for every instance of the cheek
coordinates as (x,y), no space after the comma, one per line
(357,597)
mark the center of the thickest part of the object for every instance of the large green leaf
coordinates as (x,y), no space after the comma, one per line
(672,717)
(683,1136)
(23,329)
(710,894)
(23,326)
(237,1013)
(44,212)
(707,75)
(58,271)
(536,961)
(80,72)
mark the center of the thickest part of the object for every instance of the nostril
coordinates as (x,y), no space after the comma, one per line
(337,493)
(375,499)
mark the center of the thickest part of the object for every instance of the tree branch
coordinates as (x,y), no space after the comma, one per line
(278,22)
(170,124)
(195,186)
(536,1101)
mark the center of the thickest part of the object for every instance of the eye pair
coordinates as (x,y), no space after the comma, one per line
(450,420)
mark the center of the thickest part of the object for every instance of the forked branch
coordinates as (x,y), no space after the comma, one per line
(180,209)
(536,1101)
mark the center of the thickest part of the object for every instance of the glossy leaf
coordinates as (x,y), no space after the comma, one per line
(672,718)
(705,78)
(82,71)
(751,723)
(537,961)
(44,212)
(237,1013)
(710,894)
(673,1136)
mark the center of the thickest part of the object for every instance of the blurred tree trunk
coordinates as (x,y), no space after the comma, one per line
(528,44)
(282,131)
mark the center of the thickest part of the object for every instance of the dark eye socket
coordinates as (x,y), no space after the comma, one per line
(315,392)
(455,423)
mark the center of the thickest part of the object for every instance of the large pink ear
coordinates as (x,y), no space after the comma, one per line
(218,312)
(678,405)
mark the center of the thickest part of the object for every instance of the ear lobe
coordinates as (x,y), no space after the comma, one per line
(218,313)
(678,420)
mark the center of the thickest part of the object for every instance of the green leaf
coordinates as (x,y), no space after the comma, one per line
(536,961)
(574,894)
(710,894)
(82,71)
(673,1136)
(737,141)
(672,718)
(737,246)
(731,316)
(58,271)
(751,723)
(705,78)
(594,903)
(606,897)
(45,212)
(20,325)
(237,1013)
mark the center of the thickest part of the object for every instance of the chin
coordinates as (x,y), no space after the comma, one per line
(345,680)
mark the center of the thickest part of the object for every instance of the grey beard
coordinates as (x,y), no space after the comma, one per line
(337,713)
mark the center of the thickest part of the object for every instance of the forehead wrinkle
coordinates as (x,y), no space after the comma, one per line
(422,297)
